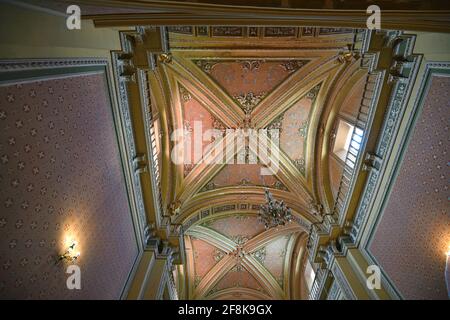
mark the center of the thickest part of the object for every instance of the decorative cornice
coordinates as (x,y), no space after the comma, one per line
(33,64)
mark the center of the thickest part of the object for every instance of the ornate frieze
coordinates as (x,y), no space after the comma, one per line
(227,207)
(308,31)
(202,31)
(221,31)
(252,31)
(181,29)
(280,31)
(331,31)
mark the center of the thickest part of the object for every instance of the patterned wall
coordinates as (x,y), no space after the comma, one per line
(414,232)
(61,176)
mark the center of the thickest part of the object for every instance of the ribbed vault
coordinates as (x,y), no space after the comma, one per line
(285,82)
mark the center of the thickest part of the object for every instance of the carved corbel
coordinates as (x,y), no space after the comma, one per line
(151,240)
(127,71)
(347,228)
(140,163)
(393,40)
(371,162)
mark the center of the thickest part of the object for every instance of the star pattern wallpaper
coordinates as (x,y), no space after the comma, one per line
(61,177)
(417,217)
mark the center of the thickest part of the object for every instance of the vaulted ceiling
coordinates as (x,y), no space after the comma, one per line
(248,78)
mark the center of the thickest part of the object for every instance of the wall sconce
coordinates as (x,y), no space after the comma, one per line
(70,254)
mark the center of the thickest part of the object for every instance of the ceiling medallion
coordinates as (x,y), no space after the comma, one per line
(274,213)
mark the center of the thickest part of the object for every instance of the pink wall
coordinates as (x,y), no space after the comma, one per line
(61,175)
(414,231)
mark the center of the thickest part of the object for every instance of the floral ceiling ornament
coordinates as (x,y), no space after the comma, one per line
(274,213)
(240,240)
(303,129)
(312,94)
(185,95)
(251,65)
(187,128)
(218,255)
(209,186)
(300,165)
(245,182)
(260,255)
(293,65)
(277,123)
(279,185)
(188,168)
(249,100)
(206,65)
(218,125)
(239,254)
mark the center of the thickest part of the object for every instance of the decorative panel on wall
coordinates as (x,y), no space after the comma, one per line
(413,233)
(61,177)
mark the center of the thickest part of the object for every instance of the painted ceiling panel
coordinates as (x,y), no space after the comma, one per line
(239,228)
(243,175)
(195,117)
(249,81)
(272,257)
(293,126)
(237,277)
(205,257)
